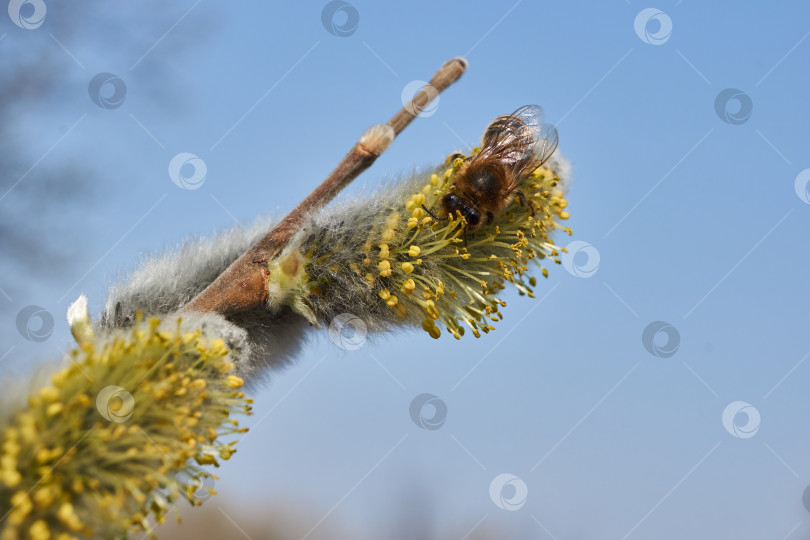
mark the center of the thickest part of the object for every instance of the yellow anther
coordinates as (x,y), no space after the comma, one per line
(385,268)
(408,286)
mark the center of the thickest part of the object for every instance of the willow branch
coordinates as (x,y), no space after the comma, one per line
(243,285)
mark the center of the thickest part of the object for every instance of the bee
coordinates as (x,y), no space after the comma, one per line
(512,147)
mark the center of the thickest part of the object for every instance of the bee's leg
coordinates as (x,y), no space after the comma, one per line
(434,216)
(524,201)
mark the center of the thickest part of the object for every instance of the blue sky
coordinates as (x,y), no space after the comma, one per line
(696,221)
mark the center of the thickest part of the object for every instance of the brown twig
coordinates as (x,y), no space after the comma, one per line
(243,285)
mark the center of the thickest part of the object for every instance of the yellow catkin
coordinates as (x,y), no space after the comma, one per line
(75,425)
(429,262)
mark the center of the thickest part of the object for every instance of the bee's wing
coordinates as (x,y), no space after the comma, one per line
(521,141)
(544,145)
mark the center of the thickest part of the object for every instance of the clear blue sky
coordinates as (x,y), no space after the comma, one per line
(696,222)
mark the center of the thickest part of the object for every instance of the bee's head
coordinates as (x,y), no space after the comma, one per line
(451,203)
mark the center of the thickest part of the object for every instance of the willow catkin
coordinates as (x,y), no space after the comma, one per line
(380,259)
(128,426)
(388,262)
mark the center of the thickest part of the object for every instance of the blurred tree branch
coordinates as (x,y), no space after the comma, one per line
(39,76)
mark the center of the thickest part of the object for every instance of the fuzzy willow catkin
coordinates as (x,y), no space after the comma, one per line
(380,258)
(120,434)
(389,262)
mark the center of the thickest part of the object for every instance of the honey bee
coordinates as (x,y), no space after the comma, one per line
(512,147)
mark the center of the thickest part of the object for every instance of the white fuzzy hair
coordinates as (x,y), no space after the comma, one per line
(166,282)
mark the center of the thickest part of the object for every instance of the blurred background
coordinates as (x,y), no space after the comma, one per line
(657,386)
